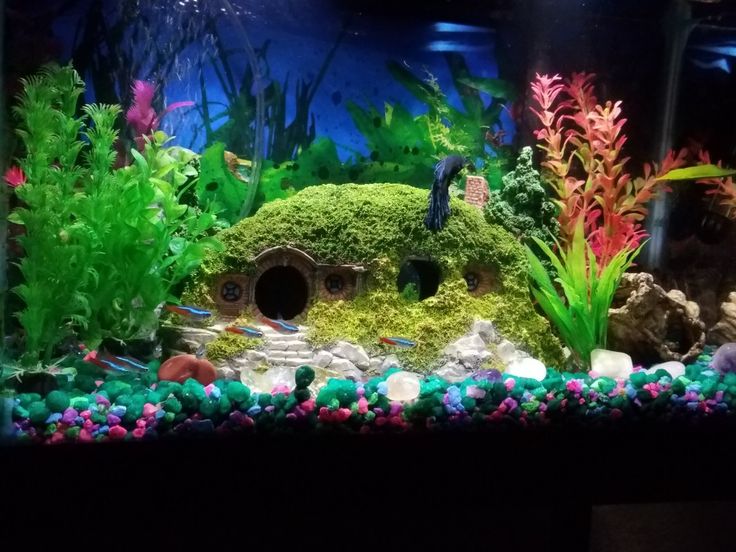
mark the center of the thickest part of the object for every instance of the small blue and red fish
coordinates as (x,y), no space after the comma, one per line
(400,342)
(280,325)
(245,331)
(114,363)
(189,312)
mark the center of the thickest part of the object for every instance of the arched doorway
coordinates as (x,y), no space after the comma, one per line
(281,292)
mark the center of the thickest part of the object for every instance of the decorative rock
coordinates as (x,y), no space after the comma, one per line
(346,368)
(182,367)
(653,325)
(354,353)
(256,356)
(322,359)
(226,372)
(473,359)
(453,372)
(673,367)
(298,346)
(468,343)
(486,330)
(527,368)
(391,361)
(724,360)
(402,386)
(724,331)
(610,364)
(506,351)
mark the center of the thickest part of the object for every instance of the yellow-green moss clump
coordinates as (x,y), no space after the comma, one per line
(229,345)
(379,225)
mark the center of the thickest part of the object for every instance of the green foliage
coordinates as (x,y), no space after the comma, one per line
(219,190)
(228,345)
(522,206)
(103,247)
(379,225)
(410,293)
(403,148)
(581,316)
(697,172)
(431,323)
(462,132)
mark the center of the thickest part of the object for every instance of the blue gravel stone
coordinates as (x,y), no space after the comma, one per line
(118,411)
(55,417)
(253,410)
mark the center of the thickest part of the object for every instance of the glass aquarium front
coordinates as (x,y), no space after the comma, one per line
(224,217)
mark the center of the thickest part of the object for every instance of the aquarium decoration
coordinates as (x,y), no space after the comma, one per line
(523,207)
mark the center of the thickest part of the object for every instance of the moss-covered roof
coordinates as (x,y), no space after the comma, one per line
(357,223)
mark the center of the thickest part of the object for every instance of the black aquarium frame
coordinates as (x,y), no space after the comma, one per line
(495,490)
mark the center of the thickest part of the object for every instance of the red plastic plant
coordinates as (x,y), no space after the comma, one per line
(583,142)
(723,188)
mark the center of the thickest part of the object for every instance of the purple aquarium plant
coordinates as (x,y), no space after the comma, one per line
(141,116)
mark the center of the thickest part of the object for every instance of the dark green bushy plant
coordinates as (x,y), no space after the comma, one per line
(102,246)
(522,206)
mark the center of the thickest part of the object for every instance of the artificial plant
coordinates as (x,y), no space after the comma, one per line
(581,313)
(522,205)
(582,141)
(102,247)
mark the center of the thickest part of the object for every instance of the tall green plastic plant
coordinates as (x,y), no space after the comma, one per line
(580,311)
(102,247)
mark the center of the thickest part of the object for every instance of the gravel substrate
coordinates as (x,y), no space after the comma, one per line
(86,409)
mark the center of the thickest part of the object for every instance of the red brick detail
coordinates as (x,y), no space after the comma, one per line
(476,191)
(227,287)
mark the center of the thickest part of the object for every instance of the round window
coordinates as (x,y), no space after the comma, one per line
(334,283)
(231,291)
(473,281)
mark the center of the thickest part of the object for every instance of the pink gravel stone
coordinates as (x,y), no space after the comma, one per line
(117,432)
(150,409)
(139,432)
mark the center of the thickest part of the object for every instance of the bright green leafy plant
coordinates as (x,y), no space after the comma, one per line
(580,312)
(102,246)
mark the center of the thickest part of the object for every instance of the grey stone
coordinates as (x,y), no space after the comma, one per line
(472,358)
(277,345)
(454,372)
(322,359)
(471,342)
(298,346)
(225,372)
(256,356)
(354,353)
(346,368)
(507,352)
(486,330)
(391,361)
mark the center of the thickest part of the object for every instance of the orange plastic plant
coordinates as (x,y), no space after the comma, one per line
(583,142)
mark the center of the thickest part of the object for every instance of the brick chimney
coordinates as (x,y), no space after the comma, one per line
(476,191)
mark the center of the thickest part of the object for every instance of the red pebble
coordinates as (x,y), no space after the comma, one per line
(88,424)
(182,367)
(343,414)
(139,432)
(308,405)
(380,421)
(117,432)
(85,414)
(57,437)
(85,436)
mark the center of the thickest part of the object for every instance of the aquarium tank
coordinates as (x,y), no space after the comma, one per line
(223,217)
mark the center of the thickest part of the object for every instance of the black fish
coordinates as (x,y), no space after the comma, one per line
(439,197)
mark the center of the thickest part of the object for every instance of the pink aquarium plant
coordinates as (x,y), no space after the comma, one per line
(141,116)
(14,176)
